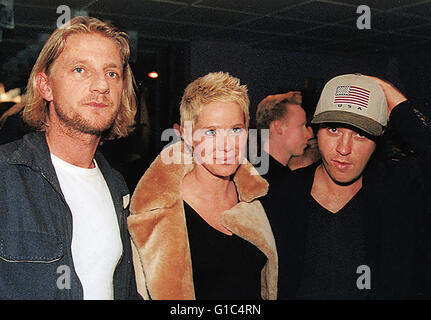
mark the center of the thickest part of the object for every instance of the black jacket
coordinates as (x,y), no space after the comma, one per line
(395,207)
(36,226)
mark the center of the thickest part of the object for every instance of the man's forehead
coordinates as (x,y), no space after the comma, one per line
(85,61)
(343,126)
(294,108)
(86,46)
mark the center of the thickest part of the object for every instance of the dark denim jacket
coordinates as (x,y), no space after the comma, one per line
(36,226)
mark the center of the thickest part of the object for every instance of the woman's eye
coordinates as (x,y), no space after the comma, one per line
(237,130)
(210,133)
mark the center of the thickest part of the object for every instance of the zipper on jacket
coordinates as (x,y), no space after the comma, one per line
(81,289)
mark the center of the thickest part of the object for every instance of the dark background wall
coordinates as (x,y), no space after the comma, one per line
(268,71)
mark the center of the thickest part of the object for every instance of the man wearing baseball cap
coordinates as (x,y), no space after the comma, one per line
(355,224)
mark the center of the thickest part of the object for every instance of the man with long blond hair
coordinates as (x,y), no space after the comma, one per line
(63,231)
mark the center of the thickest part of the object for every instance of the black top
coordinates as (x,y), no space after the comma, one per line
(273,171)
(224,267)
(334,250)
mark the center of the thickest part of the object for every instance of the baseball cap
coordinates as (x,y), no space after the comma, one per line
(353,99)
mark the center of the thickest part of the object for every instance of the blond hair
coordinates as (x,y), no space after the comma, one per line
(213,87)
(35,112)
(273,107)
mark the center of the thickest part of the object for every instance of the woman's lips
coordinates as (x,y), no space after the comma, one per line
(225,161)
(230,160)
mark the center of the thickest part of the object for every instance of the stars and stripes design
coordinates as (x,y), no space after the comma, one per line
(352,95)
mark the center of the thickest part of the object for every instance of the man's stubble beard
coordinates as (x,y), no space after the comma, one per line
(75,122)
(340,183)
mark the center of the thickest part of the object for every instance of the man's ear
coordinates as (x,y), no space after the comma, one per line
(276,126)
(43,86)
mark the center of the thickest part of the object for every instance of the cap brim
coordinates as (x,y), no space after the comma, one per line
(363,123)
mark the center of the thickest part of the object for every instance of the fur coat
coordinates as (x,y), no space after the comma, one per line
(158,228)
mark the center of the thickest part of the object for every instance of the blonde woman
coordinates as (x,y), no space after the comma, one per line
(198,227)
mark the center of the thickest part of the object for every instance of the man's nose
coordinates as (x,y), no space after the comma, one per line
(344,144)
(99,83)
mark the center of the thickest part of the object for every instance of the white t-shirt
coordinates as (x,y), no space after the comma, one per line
(96,240)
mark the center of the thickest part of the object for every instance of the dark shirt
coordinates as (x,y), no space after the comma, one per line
(334,250)
(224,267)
(276,170)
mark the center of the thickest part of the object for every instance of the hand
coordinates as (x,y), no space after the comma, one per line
(393,96)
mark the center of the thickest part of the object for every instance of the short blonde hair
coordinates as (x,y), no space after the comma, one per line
(213,87)
(273,107)
(35,112)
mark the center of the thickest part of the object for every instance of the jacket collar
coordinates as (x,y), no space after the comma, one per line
(168,170)
(33,151)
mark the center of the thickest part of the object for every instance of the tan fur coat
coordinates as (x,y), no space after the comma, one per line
(159,233)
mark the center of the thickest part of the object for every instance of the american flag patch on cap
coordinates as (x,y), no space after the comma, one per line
(352,95)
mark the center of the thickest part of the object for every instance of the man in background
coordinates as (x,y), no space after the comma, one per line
(288,135)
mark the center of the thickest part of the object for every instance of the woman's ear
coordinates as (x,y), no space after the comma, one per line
(187,132)
(43,87)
